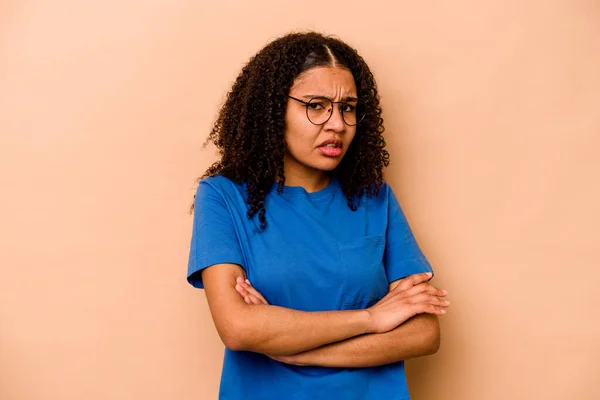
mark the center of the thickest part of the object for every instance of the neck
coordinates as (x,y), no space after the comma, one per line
(312,180)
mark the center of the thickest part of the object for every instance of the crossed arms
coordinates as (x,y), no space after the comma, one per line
(402,325)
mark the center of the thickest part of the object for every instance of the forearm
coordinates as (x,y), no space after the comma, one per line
(418,336)
(273,330)
(256,326)
(281,331)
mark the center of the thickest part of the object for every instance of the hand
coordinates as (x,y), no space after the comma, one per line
(411,296)
(253,296)
(247,291)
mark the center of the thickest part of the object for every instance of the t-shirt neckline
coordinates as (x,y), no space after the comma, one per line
(300,191)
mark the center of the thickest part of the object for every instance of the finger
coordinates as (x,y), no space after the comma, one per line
(255,296)
(248,286)
(404,284)
(412,280)
(254,292)
(249,298)
(241,290)
(425,298)
(428,309)
(432,290)
(436,301)
(254,300)
(425,287)
(420,278)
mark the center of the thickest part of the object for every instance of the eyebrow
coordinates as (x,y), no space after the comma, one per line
(320,96)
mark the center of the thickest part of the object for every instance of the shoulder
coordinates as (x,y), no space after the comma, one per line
(384,193)
(385,189)
(218,183)
(384,200)
(217,188)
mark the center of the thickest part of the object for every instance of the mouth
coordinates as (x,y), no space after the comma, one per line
(332,144)
(331,148)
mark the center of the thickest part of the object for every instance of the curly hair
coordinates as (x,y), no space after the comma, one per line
(249,129)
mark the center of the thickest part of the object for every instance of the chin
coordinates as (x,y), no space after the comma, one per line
(327,165)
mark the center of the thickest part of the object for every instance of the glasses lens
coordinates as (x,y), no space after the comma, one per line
(319,110)
(353,112)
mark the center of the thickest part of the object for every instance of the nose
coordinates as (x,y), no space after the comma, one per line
(336,122)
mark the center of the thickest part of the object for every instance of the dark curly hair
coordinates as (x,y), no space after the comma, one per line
(249,130)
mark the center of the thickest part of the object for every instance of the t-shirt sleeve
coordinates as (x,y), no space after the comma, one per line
(214,239)
(403,256)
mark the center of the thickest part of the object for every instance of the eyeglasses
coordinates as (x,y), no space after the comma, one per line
(320,109)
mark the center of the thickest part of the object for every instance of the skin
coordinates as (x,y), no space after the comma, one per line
(419,336)
(304,164)
(279,331)
(399,326)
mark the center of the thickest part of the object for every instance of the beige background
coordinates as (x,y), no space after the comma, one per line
(492,111)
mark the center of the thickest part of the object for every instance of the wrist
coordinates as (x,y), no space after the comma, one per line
(366,318)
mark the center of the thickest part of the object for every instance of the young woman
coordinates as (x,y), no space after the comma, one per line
(314,280)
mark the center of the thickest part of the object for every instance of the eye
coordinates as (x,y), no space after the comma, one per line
(316,105)
(348,108)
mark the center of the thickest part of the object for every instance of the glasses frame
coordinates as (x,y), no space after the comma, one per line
(333,103)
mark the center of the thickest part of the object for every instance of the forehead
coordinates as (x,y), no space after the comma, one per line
(326,81)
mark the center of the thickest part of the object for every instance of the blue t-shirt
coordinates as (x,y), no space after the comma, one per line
(315,255)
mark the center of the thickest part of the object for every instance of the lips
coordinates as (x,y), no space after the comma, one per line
(331,148)
(332,143)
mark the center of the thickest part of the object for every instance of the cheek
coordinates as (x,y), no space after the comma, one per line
(300,136)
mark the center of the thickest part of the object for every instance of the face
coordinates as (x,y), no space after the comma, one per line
(315,149)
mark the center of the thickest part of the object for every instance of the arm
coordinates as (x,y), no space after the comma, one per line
(416,337)
(278,331)
(419,336)
(271,329)
(214,264)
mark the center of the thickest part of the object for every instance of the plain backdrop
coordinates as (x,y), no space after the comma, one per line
(492,112)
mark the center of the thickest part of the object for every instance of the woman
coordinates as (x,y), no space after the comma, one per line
(297,205)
